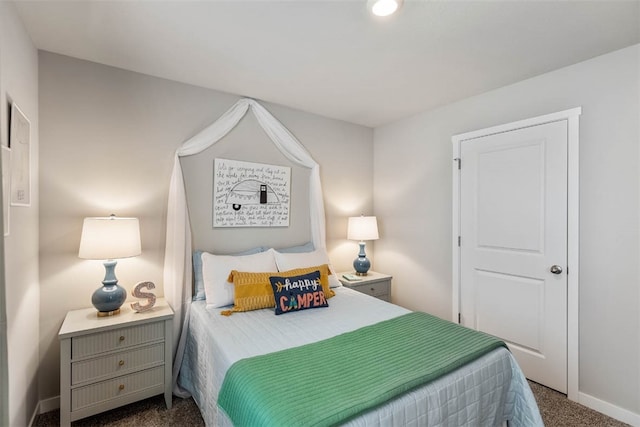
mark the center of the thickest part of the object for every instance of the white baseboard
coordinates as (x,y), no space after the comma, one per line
(50,404)
(45,406)
(609,409)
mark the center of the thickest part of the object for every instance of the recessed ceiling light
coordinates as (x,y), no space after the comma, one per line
(383,7)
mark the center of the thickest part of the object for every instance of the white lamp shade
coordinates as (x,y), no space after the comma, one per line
(362,228)
(110,238)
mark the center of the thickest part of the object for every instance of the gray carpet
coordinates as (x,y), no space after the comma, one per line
(148,413)
(556,411)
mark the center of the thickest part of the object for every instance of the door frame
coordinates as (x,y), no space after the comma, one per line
(572,117)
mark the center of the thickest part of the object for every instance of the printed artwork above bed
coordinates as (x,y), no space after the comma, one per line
(250,194)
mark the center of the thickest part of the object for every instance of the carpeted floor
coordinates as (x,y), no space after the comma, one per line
(556,411)
(151,412)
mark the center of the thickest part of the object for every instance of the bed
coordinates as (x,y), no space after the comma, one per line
(488,391)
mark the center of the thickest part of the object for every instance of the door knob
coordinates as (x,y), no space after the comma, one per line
(556,269)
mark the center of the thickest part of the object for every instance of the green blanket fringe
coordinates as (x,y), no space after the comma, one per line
(328,382)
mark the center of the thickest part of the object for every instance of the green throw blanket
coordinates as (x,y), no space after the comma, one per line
(330,381)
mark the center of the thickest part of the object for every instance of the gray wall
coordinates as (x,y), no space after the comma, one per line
(108,140)
(19,73)
(419,256)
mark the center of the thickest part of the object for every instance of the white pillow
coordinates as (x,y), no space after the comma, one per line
(216,269)
(289,261)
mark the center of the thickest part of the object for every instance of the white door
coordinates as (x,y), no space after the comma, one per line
(513,245)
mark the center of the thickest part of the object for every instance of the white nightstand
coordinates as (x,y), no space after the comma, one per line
(375,284)
(106,362)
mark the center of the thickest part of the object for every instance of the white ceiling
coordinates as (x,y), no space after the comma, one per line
(331,57)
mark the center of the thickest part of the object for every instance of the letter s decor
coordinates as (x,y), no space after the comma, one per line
(151,298)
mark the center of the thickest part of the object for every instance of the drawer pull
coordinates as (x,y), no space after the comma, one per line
(121,387)
(121,337)
(121,363)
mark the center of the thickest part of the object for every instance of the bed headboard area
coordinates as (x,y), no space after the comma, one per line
(177,274)
(180,233)
(238,187)
(258,139)
(249,143)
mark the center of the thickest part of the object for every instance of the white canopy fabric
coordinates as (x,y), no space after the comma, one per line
(177,261)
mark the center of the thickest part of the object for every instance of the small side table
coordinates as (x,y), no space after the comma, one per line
(375,284)
(107,362)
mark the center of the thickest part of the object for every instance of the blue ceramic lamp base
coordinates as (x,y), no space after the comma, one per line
(362,263)
(108,298)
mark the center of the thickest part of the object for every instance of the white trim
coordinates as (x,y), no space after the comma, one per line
(534,121)
(609,409)
(573,253)
(50,404)
(44,406)
(573,228)
(455,209)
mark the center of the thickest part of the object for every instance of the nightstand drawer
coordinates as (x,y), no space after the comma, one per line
(375,284)
(117,363)
(374,289)
(95,394)
(89,345)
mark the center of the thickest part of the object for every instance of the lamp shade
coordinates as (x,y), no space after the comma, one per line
(362,228)
(110,238)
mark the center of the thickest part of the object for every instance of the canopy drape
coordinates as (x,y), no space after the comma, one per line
(177,262)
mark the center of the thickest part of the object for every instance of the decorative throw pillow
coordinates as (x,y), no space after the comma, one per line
(216,269)
(289,261)
(252,291)
(325,275)
(297,293)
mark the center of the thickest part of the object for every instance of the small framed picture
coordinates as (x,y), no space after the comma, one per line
(6,188)
(20,145)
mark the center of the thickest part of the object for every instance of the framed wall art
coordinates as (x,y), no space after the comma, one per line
(20,145)
(250,194)
(6,188)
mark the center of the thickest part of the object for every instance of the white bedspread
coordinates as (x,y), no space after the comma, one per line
(483,393)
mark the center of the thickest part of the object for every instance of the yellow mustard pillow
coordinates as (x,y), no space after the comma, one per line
(252,291)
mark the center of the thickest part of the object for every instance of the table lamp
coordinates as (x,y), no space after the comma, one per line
(362,228)
(109,238)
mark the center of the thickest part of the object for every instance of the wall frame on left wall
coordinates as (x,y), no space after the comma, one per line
(20,145)
(6,188)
